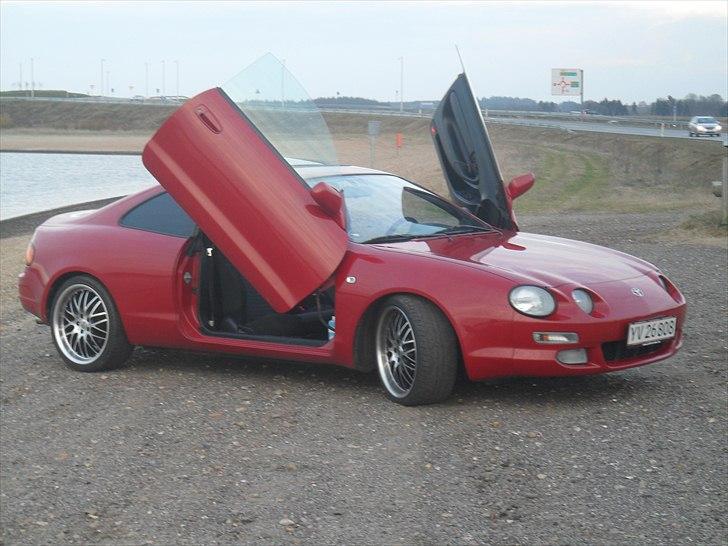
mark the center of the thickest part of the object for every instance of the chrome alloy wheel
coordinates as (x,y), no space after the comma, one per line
(80,324)
(396,351)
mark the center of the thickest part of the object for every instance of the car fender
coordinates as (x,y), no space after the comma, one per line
(474,300)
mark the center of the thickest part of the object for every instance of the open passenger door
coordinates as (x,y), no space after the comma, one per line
(467,159)
(246,198)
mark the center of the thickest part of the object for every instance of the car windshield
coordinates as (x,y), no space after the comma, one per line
(282,111)
(706,120)
(381,208)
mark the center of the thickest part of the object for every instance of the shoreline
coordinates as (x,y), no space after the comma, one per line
(52,141)
(67,152)
(22,225)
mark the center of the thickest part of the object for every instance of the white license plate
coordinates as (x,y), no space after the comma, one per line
(643,333)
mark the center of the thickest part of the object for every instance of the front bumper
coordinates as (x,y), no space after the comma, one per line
(605,353)
(604,339)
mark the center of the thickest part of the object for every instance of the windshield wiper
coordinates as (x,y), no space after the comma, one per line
(391,238)
(463,229)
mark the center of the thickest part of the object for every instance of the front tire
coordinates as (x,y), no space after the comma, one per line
(416,351)
(86,327)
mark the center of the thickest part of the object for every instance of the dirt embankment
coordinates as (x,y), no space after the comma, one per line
(575,171)
(71,116)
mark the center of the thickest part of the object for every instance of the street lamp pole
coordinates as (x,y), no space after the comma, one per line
(283,84)
(176,64)
(101,87)
(401,84)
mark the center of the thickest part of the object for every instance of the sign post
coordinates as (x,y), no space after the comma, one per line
(373,130)
(568,81)
(724,215)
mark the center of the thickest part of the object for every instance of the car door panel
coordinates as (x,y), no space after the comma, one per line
(246,198)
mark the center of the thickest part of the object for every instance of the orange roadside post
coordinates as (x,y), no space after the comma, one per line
(399,140)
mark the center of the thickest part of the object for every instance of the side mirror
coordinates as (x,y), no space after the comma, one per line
(520,185)
(331,202)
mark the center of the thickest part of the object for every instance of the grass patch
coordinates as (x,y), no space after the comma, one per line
(587,190)
(567,180)
(706,223)
(699,228)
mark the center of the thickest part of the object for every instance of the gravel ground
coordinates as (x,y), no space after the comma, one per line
(198,449)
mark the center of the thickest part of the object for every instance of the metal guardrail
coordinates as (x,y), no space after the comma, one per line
(365,112)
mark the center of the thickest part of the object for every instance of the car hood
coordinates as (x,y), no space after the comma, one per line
(538,259)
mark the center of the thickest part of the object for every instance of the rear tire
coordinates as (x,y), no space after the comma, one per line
(416,351)
(86,327)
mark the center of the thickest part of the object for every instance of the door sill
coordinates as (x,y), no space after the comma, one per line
(278,340)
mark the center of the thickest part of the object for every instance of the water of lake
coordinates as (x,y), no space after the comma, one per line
(32,182)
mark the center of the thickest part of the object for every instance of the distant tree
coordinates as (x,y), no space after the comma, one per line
(633,109)
(591,105)
(547,106)
(346,101)
(569,106)
(691,105)
(509,103)
(660,107)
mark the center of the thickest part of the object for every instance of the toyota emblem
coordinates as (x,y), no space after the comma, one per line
(638,292)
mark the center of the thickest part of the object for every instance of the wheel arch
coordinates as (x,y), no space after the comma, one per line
(364,335)
(56,283)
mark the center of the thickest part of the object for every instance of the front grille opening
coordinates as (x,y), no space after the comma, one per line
(619,350)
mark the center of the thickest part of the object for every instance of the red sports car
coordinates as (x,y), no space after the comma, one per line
(243,251)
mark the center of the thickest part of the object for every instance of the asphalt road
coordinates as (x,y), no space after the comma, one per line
(597,127)
(622,127)
(197,449)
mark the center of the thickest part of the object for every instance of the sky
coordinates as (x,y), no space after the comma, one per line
(628,50)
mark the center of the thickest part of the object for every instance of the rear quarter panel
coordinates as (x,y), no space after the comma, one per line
(137,268)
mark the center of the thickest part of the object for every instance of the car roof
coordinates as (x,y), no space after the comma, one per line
(308,169)
(308,172)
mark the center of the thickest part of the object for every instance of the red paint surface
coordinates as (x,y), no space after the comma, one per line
(467,276)
(263,217)
(246,198)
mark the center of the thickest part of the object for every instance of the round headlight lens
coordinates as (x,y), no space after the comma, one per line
(533,301)
(583,300)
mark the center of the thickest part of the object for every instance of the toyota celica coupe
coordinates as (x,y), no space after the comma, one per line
(258,243)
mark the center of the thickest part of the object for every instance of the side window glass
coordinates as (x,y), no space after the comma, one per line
(160,214)
(420,210)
